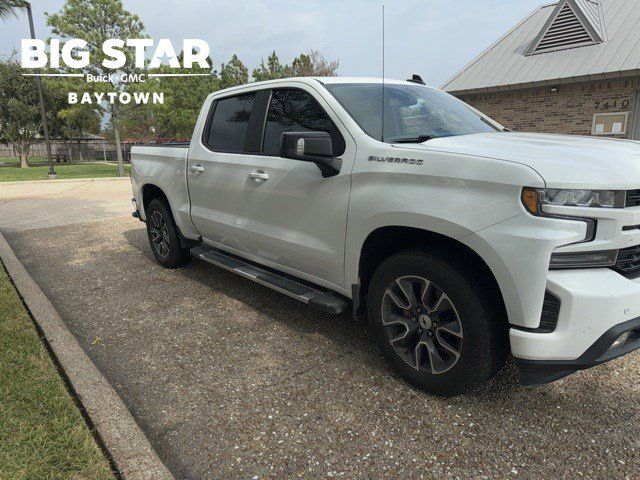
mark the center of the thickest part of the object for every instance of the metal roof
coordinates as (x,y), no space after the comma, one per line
(572,24)
(592,10)
(505,65)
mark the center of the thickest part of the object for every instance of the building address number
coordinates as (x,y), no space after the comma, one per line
(599,105)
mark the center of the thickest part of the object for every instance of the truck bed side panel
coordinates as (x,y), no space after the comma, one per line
(164,167)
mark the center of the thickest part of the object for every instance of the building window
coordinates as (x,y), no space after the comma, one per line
(610,123)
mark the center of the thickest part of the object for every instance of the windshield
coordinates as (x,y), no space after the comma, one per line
(412,112)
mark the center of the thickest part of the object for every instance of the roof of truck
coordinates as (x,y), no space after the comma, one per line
(311,80)
(334,80)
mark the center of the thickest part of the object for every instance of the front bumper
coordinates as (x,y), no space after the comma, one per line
(538,372)
(597,307)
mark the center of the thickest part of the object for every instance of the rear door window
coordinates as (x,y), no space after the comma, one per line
(230,122)
(294,110)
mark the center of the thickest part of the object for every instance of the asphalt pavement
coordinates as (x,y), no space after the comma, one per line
(231,380)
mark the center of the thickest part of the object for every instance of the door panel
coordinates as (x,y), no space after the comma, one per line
(296,219)
(217,203)
(216,172)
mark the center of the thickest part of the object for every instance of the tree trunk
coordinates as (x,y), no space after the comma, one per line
(23,160)
(23,154)
(116,134)
(80,152)
(69,147)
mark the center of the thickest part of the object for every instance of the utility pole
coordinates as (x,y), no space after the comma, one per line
(52,173)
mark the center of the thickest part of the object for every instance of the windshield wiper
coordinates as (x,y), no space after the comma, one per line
(416,139)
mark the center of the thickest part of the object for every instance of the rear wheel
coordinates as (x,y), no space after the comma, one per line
(164,237)
(438,326)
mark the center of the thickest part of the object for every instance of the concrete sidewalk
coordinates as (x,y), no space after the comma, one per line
(231,380)
(27,205)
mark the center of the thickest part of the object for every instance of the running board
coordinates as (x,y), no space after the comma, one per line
(324,300)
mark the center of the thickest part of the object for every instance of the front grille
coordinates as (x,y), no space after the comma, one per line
(628,263)
(633,198)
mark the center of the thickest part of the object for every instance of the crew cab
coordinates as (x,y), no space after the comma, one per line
(462,242)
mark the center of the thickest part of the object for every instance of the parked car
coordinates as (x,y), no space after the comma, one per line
(460,241)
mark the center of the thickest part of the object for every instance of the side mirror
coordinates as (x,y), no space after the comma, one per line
(315,147)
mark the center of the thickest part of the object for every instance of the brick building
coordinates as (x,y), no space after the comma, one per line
(569,67)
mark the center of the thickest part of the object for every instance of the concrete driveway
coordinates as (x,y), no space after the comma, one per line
(231,380)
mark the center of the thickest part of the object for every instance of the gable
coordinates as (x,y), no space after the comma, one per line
(573,23)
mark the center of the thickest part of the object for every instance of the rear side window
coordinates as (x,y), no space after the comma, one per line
(293,110)
(230,123)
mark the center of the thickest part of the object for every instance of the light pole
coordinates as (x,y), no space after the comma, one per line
(43,112)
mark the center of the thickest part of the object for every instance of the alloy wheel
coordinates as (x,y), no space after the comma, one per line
(422,324)
(159,234)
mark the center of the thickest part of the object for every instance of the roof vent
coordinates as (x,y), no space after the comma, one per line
(571,25)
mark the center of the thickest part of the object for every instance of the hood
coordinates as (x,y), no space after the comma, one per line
(561,160)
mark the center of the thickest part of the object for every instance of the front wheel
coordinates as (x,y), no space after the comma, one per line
(437,325)
(164,237)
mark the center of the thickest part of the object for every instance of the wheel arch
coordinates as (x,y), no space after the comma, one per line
(385,241)
(150,192)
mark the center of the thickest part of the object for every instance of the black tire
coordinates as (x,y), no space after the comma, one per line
(164,237)
(458,348)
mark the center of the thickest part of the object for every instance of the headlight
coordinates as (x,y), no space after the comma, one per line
(534,198)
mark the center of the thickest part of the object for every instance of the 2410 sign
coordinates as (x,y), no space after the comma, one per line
(612,104)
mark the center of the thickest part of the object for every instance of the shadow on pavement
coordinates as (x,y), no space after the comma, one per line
(342,330)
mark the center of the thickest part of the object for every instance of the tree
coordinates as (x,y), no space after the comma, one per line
(10,8)
(70,121)
(97,21)
(80,120)
(19,114)
(272,70)
(183,99)
(233,73)
(312,64)
(56,101)
(139,121)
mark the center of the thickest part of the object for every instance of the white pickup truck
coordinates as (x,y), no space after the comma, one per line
(459,240)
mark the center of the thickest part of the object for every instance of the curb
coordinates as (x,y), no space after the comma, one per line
(67,180)
(128,448)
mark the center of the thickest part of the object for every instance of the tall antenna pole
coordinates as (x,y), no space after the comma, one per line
(383,106)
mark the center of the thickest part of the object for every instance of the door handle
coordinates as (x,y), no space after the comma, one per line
(196,169)
(259,175)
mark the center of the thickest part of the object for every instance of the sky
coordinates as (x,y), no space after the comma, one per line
(433,38)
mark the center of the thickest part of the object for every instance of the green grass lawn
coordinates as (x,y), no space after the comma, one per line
(64,171)
(42,433)
(16,162)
